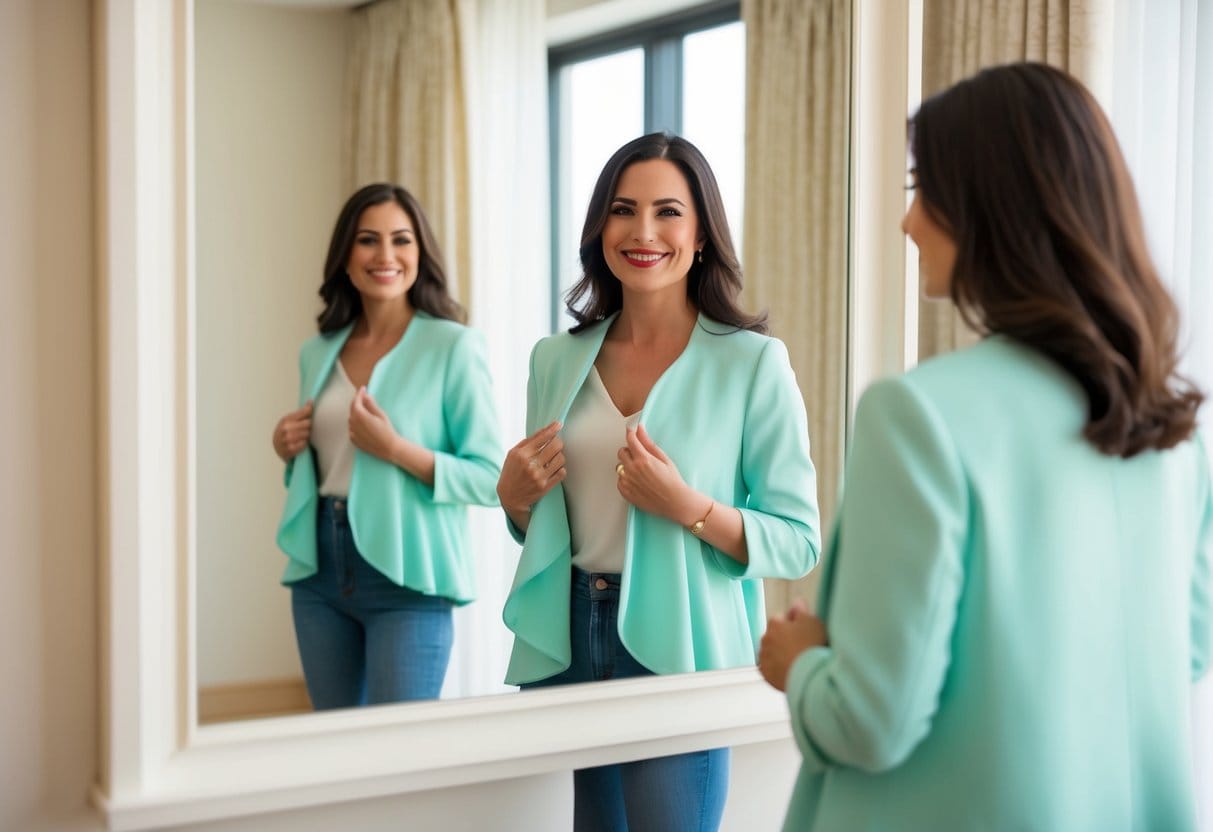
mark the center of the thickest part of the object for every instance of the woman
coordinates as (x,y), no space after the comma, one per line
(1017,598)
(395,436)
(666,473)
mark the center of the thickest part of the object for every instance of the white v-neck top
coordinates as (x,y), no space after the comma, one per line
(594,431)
(331,433)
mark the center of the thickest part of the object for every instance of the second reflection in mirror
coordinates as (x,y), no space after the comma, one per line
(394,436)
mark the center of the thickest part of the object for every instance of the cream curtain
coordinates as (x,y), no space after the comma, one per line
(797,138)
(406,117)
(959,37)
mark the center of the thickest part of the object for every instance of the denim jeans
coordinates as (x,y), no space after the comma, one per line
(680,793)
(364,640)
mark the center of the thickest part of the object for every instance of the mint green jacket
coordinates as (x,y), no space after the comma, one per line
(729,414)
(436,389)
(1015,619)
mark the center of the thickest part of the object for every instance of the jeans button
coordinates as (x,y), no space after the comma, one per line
(600,584)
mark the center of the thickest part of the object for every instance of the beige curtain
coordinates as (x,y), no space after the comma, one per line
(797,139)
(406,115)
(959,37)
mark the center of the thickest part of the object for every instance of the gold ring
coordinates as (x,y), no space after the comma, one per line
(619,469)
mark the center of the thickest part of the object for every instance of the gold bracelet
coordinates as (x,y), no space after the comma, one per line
(696,528)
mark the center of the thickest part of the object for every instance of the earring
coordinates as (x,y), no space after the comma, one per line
(699,255)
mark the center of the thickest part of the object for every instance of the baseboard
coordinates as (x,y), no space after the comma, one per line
(248,700)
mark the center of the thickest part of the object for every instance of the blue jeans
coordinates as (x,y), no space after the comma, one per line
(363,639)
(680,793)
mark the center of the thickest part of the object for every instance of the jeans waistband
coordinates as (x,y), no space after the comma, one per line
(597,586)
(333,505)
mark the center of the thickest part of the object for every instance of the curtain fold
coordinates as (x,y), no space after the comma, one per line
(959,37)
(796,195)
(406,115)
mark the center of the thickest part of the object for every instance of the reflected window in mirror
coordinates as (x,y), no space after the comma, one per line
(685,74)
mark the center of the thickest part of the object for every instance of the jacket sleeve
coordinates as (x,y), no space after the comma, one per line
(780,516)
(869,698)
(468,474)
(1202,576)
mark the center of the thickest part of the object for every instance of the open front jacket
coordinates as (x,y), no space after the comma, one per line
(1015,619)
(436,389)
(729,414)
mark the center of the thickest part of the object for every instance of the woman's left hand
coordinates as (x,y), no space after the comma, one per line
(370,428)
(788,636)
(649,480)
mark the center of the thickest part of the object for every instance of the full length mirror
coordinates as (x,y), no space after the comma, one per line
(291,116)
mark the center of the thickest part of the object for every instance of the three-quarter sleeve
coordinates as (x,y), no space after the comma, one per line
(468,472)
(780,516)
(869,698)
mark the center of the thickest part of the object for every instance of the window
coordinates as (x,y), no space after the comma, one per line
(685,74)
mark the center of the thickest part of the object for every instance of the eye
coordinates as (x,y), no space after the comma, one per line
(621,210)
(366,241)
(669,212)
(401,241)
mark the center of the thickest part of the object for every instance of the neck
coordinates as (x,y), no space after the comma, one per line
(650,319)
(384,319)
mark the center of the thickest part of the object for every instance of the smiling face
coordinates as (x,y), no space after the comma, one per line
(936,249)
(652,228)
(383,259)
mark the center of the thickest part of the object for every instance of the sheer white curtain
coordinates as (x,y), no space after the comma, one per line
(504,57)
(1162,108)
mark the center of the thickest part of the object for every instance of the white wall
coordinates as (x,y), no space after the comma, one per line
(48,429)
(270,103)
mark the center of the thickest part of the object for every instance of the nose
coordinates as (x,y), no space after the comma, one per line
(385,250)
(642,228)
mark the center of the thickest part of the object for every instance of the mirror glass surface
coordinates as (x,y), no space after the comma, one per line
(270,98)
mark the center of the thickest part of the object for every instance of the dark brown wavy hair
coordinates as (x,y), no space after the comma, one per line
(1019,164)
(713,285)
(342,303)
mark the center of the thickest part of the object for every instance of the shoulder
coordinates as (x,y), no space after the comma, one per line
(737,346)
(448,336)
(320,345)
(552,350)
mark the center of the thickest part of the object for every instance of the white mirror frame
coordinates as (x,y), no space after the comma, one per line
(159,768)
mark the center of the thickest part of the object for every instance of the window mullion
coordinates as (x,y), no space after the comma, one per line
(663,85)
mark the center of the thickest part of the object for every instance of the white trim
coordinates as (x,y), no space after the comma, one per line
(293,762)
(879,298)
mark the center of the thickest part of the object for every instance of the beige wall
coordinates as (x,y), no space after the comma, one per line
(48,430)
(269,115)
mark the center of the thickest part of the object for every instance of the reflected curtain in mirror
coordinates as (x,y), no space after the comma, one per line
(959,37)
(797,137)
(406,115)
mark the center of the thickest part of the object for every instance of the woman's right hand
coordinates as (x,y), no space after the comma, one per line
(293,432)
(531,469)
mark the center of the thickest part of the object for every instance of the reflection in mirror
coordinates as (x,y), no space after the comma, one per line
(276,156)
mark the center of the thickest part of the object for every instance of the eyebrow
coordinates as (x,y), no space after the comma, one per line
(664,201)
(376,233)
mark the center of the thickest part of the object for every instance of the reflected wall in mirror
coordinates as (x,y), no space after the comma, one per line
(273,167)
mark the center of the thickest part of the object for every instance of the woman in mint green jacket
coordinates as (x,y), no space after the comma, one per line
(679,479)
(1017,595)
(395,436)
